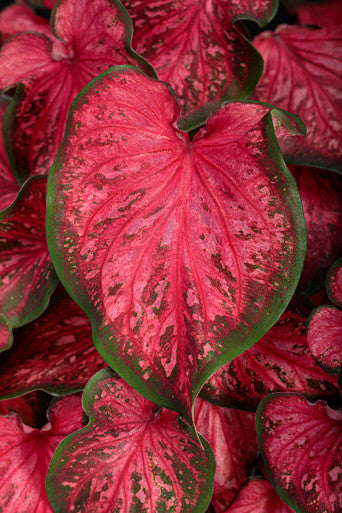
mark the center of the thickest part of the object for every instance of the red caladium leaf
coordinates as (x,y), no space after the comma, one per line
(131,457)
(25,454)
(9,187)
(323,14)
(182,253)
(30,407)
(195,47)
(49,3)
(301,444)
(325,337)
(6,333)
(281,361)
(258,496)
(303,74)
(320,192)
(334,282)
(54,69)
(55,353)
(231,435)
(19,18)
(26,272)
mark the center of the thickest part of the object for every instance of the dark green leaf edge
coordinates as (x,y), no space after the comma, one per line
(336,265)
(89,395)
(259,429)
(309,161)
(81,298)
(34,314)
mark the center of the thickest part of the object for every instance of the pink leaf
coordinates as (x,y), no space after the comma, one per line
(19,18)
(8,184)
(90,38)
(280,362)
(131,457)
(303,75)
(196,48)
(301,445)
(6,334)
(55,353)
(258,496)
(325,14)
(334,283)
(232,437)
(26,272)
(182,253)
(25,454)
(320,192)
(325,337)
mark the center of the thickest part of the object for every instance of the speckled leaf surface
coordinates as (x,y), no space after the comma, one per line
(55,353)
(280,362)
(182,253)
(19,18)
(303,74)
(132,456)
(195,47)
(9,187)
(301,444)
(87,38)
(232,436)
(334,282)
(26,271)
(258,496)
(325,337)
(25,454)
(321,193)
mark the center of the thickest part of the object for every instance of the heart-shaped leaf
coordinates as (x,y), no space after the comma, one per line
(9,187)
(258,496)
(19,18)
(231,435)
(26,272)
(280,362)
(53,70)
(334,282)
(301,445)
(320,192)
(182,253)
(195,47)
(303,74)
(25,454)
(131,457)
(55,353)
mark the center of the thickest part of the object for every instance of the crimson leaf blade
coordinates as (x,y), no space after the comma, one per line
(334,282)
(9,187)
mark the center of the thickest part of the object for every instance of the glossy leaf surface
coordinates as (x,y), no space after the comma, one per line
(231,435)
(25,454)
(320,192)
(87,38)
(9,187)
(131,457)
(195,47)
(182,253)
(19,18)
(325,337)
(26,272)
(334,283)
(303,74)
(280,362)
(258,496)
(301,444)
(55,353)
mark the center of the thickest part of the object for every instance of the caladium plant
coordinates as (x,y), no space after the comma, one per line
(143,163)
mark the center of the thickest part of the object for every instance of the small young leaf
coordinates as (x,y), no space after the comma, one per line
(182,253)
(55,353)
(27,274)
(232,437)
(301,444)
(258,496)
(303,75)
(131,457)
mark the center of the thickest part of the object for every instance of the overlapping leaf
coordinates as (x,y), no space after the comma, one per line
(19,18)
(323,14)
(231,435)
(258,496)
(320,192)
(25,454)
(182,253)
(26,272)
(55,353)
(31,408)
(87,38)
(301,444)
(131,457)
(280,362)
(195,47)
(334,282)
(303,74)
(8,184)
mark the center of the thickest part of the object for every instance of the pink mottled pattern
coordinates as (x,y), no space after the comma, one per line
(334,283)
(325,337)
